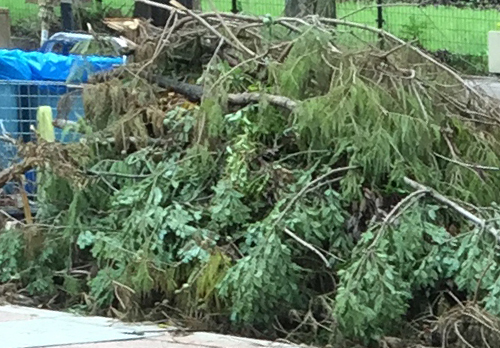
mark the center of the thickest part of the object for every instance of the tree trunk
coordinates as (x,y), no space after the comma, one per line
(47,16)
(159,16)
(298,8)
(301,8)
(326,8)
(197,5)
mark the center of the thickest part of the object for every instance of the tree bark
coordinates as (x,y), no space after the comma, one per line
(47,15)
(297,8)
(301,8)
(14,171)
(326,8)
(159,16)
(197,5)
(194,93)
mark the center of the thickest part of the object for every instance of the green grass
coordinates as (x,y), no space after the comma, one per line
(462,31)
(19,9)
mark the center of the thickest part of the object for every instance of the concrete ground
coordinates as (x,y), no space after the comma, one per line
(22,327)
(489,85)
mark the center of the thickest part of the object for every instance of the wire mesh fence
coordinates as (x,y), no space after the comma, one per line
(437,27)
(19,103)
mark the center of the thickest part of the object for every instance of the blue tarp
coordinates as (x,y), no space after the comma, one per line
(20,65)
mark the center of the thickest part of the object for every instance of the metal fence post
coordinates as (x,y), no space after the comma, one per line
(380,21)
(380,15)
(234,6)
(67,15)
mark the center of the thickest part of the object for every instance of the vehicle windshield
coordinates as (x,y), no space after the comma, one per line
(103,47)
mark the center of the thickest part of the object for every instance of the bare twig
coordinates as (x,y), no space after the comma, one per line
(230,33)
(15,170)
(309,185)
(467,165)
(396,211)
(8,139)
(465,213)
(400,41)
(308,246)
(485,341)
(26,204)
(478,285)
(162,42)
(225,75)
(457,331)
(194,15)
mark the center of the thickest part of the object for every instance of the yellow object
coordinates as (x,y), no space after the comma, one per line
(45,127)
(188,105)
(498,26)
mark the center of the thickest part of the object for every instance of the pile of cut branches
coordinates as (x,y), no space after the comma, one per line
(303,178)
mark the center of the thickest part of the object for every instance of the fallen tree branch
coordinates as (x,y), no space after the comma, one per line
(202,21)
(462,211)
(403,42)
(251,97)
(194,93)
(8,139)
(329,21)
(14,171)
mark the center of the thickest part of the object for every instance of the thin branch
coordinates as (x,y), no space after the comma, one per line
(484,338)
(194,15)
(465,213)
(478,285)
(413,48)
(15,170)
(394,49)
(457,331)
(229,31)
(239,65)
(308,246)
(8,139)
(119,175)
(162,42)
(395,212)
(467,165)
(306,188)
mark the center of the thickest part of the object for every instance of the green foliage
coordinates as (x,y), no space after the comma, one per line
(218,210)
(414,30)
(378,283)
(10,255)
(263,282)
(227,209)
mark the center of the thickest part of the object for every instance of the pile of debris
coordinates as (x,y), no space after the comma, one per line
(302,178)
